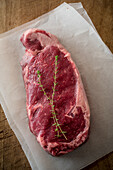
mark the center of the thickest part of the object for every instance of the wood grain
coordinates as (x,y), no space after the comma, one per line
(16,12)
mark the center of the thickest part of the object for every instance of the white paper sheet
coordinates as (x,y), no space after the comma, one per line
(95,63)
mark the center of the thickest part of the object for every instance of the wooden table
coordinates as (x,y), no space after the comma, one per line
(16,12)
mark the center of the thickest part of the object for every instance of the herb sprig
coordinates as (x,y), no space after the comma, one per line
(58,128)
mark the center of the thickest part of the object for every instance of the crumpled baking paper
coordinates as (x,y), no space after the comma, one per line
(74,29)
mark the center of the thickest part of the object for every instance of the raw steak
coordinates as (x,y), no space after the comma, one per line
(70,100)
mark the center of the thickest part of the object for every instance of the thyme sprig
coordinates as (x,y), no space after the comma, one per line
(58,128)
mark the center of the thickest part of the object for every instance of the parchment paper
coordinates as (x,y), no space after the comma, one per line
(95,63)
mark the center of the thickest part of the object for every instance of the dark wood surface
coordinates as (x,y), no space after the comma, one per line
(16,12)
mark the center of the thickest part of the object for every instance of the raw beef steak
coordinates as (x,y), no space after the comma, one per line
(70,102)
